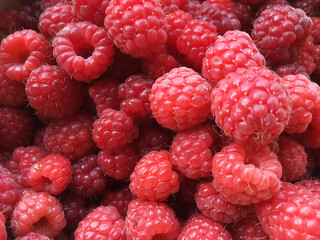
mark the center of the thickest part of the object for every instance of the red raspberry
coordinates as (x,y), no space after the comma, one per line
(52,93)
(203,228)
(33,236)
(29,15)
(245,13)
(195,39)
(151,220)
(213,205)
(119,199)
(266,4)
(312,185)
(17,127)
(136,27)
(153,178)
(3,231)
(191,6)
(244,176)
(52,174)
(170,6)
(23,51)
(232,51)
(310,7)
(10,20)
(291,69)
(292,213)
(114,129)
(83,50)
(118,164)
(88,178)
(38,212)
(102,223)
(70,136)
(251,105)
(315,30)
(280,32)
(180,99)
(91,10)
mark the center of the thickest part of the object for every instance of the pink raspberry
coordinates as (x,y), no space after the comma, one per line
(170,6)
(119,199)
(180,99)
(83,50)
(136,27)
(312,185)
(33,236)
(153,178)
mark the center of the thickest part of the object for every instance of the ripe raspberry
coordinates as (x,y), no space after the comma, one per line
(153,178)
(136,27)
(170,6)
(312,185)
(315,30)
(114,129)
(244,176)
(292,213)
(88,178)
(3,231)
(104,93)
(102,223)
(192,7)
(119,199)
(52,93)
(203,228)
(280,32)
(251,105)
(38,212)
(118,164)
(83,50)
(245,13)
(33,236)
(212,205)
(151,220)
(310,7)
(232,51)
(17,127)
(180,99)
(10,20)
(195,39)
(70,136)
(23,51)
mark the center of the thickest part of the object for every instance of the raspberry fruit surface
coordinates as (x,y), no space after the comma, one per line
(119,199)
(33,236)
(3,231)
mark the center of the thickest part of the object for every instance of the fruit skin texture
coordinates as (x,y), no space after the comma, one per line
(180,99)
(3,231)
(120,199)
(153,178)
(151,220)
(244,176)
(292,213)
(102,223)
(33,236)
(251,105)
(136,27)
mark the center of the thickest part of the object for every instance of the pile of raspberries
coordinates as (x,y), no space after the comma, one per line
(160,120)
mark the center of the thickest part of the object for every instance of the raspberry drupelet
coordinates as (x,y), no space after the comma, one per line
(136,27)
(83,50)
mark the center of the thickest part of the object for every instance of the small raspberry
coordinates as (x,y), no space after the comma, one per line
(114,129)
(232,51)
(38,212)
(136,27)
(83,50)
(70,136)
(3,231)
(251,105)
(119,199)
(33,236)
(151,220)
(180,99)
(22,52)
(203,228)
(102,223)
(52,93)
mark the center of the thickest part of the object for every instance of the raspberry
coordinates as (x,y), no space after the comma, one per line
(180,99)
(29,14)
(17,127)
(52,174)
(203,228)
(244,176)
(191,7)
(114,129)
(118,164)
(170,6)
(151,220)
(83,50)
(315,30)
(153,178)
(70,136)
(232,51)
(312,185)
(52,93)
(88,178)
(102,223)
(10,192)
(33,236)
(308,6)
(119,199)
(136,27)
(245,13)
(38,212)
(251,105)
(293,159)
(195,39)
(292,213)
(10,20)
(104,93)
(214,206)
(280,32)
(3,232)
